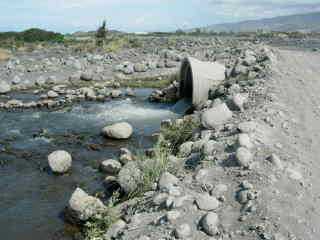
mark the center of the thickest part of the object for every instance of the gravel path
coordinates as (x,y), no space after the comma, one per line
(296,86)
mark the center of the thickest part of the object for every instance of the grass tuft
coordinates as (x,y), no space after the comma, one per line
(96,227)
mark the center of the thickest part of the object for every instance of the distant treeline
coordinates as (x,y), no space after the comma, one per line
(32,35)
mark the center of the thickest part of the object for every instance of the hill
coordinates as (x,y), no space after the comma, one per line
(309,22)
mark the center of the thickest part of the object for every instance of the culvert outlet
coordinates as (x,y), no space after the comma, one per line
(197,77)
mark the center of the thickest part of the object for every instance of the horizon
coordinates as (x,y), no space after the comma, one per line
(69,16)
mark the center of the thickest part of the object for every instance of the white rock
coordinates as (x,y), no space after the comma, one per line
(52,94)
(244,157)
(206,202)
(115,229)
(167,180)
(216,116)
(16,80)
(110,166)
(118,131)
(245,141)
(4,87)
(209,224)
(82,206)
(183,231)
(239,100)
(60,161)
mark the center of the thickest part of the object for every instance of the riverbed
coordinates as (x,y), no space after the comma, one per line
(31,197)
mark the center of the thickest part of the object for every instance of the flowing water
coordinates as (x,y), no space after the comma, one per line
(31,198)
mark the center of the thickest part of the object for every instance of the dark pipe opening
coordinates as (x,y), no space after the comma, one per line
(186,81)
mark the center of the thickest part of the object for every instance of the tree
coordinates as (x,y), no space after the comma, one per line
(101,34)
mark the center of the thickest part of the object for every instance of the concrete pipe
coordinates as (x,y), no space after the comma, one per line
(197,77)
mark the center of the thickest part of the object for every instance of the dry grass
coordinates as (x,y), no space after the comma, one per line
(4,55)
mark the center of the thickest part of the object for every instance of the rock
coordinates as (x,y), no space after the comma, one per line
(86,76)
(52,80)
(140,67)
(170,64)
(206,202)
(60,161)
(167,180)
(239,70)
(244,157)
(211,147)
(87,92)
(216,116)
(126,68)
(82,206)
(125,156)
(172,216)
(242,196)
(14,103)
(182,231)
(118,131)
(115,229)
(129,177)
(276,161)
(4,87)
(209,223)
(116,93)
(160,199)
(249,60)
(52,94)
(74,77)
(110,166)
(185,149)
(16,80)
(40,81)
(245,141)
(238,101)
(130,92)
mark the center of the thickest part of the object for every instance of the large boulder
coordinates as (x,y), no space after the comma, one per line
(130,177)
(4,87)
(216,116)
(118,131)
(60,161)
(83,206)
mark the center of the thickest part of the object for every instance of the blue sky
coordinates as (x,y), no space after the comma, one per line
(140,15)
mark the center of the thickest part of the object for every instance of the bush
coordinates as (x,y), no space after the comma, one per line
(32,35)
(96,227)
(177,134)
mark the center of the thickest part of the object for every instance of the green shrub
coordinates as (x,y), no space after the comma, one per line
(176,134)
(96,227)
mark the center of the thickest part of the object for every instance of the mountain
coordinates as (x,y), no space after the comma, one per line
(300,22)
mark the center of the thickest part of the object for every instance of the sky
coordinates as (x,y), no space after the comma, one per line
(140,15)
